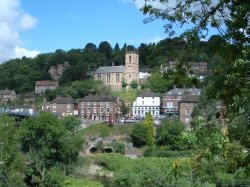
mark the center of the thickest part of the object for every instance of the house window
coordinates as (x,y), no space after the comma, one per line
(101,104)
(129,75)
(135,112)
(88,103)
(94,110)
(107,103)
(99,77)
(187,112)
(108,78)
(117,78)
(130,58)
(82,104)
(169,104)
(187,120)
(101,110)
(68,108)
(94,103)
(107,109)
(54,107)
(88,109)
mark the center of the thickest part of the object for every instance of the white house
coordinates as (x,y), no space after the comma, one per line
(146,102)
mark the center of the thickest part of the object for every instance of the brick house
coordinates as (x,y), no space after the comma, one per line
(100,108)
(186,107)
(63,106)
(7,95)
(172,97)
(42,86)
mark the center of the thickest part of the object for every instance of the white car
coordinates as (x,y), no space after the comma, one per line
(157,122)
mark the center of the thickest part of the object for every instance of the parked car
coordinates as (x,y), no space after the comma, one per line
(132,120)
(121,120)
(157,122)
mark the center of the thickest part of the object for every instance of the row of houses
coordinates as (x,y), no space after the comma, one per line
(176,103)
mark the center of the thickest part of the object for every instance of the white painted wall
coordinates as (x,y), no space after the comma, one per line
(143,105)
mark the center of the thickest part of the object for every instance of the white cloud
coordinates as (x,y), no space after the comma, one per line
(24,52)
(12,20)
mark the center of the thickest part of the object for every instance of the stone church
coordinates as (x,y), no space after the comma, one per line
(113,75)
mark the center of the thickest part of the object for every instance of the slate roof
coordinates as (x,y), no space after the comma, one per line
(190,99)
(46,83)
(6,92)
(63,100)
(98,98)
(148,94)
(183,91)
(110,69)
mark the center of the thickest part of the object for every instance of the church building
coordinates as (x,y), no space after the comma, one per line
(113,75)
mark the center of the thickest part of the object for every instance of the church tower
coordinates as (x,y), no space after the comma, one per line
(131,67)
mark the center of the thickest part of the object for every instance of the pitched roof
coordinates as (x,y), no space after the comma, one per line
(183,91)
(110,69)
(148,94)
(190,99)
(98,98)
(6,92)
(46,83)
(63,100)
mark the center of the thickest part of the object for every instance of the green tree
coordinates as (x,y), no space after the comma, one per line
(139,135)
(124,84)
(157,83)
(169,134)
(50,142)
(211,14)
(105,47)
(12,162)
(90,47)
(134,84)
(119,147)
(117,48)
(149,124)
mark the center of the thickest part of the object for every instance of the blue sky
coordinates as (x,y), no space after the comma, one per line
(70,24)
(29,27)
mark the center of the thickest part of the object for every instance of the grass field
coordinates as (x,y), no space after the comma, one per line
(105,131)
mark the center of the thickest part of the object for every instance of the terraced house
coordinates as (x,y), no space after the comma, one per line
(100,108)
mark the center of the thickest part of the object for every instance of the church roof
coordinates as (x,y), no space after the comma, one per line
(110,69)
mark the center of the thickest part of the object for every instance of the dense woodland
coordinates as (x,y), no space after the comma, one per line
(21,74)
